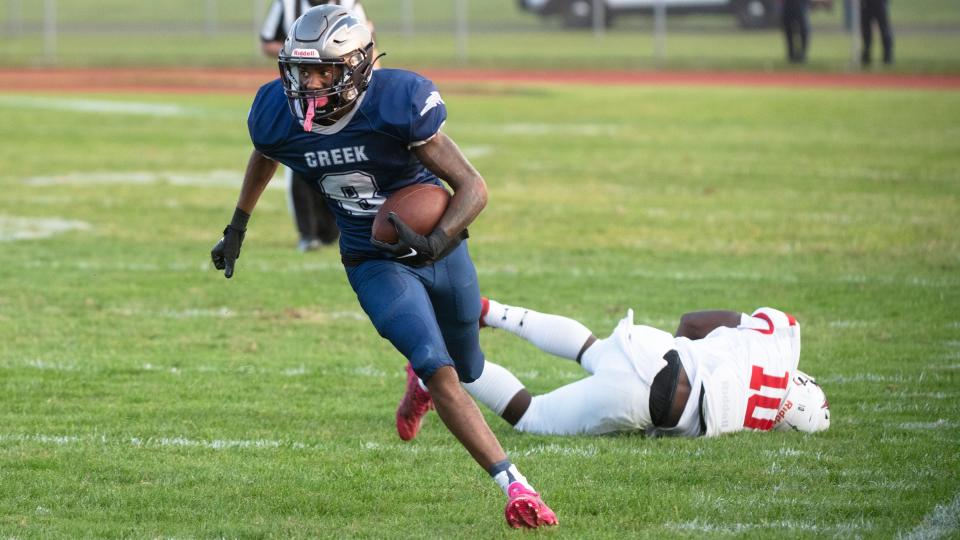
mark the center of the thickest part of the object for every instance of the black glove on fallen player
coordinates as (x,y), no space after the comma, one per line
(227,250)
(415,249)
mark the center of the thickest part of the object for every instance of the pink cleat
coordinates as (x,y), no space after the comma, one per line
(526,509)
(484,308)
(416,402)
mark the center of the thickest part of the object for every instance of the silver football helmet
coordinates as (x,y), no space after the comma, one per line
(326,35)
(805,407)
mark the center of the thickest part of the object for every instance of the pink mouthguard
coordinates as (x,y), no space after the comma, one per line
(312,105)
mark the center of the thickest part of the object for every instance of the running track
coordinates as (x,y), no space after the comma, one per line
(245,81)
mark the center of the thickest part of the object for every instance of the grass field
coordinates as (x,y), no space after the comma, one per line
(181,32)
(142,395)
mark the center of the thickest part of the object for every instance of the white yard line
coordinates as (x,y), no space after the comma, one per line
(299,370)
(59,440)
(99,106)
(316,316)
(193,266)
(525,129)
(588,451)
(704,526)
(942,521)
(215,178)
(864,377)
(13,228)
(51,366)
(940,423)
(187,370)
(216,444)
(587,272)
(474,152)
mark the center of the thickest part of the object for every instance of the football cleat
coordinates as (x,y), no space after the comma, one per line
(309,244)
(526,509)
(484,308)
(416,402)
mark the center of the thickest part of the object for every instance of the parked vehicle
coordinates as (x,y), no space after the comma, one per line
(579,13)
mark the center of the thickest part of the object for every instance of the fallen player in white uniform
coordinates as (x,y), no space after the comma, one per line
(723,372)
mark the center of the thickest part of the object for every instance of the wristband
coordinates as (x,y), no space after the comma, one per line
(240,219)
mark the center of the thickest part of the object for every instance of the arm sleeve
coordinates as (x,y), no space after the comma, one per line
(767,320)
(272,29)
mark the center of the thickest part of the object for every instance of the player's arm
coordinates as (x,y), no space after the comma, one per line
(443,157)
(260,170)
(271,49)
(698,324)
(272,34)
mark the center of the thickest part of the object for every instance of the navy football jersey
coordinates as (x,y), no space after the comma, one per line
(361,159)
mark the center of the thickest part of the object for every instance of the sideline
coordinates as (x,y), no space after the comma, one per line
(245,81)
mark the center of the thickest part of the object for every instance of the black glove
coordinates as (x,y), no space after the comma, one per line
(414,249)
(227,250)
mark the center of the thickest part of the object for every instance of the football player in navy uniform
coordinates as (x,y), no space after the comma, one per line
(358,135)
(313,219)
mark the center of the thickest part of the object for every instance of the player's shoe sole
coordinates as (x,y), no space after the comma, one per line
(414,405)
(526,509)
(484,308)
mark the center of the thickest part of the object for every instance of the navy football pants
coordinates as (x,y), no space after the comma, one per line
(429,314)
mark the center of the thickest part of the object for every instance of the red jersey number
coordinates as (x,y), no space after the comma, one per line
(758,379)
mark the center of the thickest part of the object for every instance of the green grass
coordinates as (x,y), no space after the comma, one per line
(174,33)
(143,395)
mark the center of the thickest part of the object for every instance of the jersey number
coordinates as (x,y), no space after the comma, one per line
(356,192)
(758,379)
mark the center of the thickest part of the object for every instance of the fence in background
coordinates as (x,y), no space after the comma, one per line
(115,28)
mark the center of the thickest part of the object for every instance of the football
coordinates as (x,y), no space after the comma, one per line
(420,206)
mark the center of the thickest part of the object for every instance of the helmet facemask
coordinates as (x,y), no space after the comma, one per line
(326,35)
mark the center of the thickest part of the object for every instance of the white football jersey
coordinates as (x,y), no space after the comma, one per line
(744,371)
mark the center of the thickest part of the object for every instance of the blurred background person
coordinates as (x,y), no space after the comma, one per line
(848,15)
(313,219)
(870,11)
(796,29)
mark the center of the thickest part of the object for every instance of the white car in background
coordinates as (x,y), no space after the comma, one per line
(579,13)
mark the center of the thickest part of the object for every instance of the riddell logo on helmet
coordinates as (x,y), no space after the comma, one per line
(783,411)
(306,53)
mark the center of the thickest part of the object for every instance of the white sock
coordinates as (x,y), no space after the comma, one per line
(554,334)
(507,475)
(495,387)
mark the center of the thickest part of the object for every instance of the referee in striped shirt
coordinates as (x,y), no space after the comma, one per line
(311,215)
